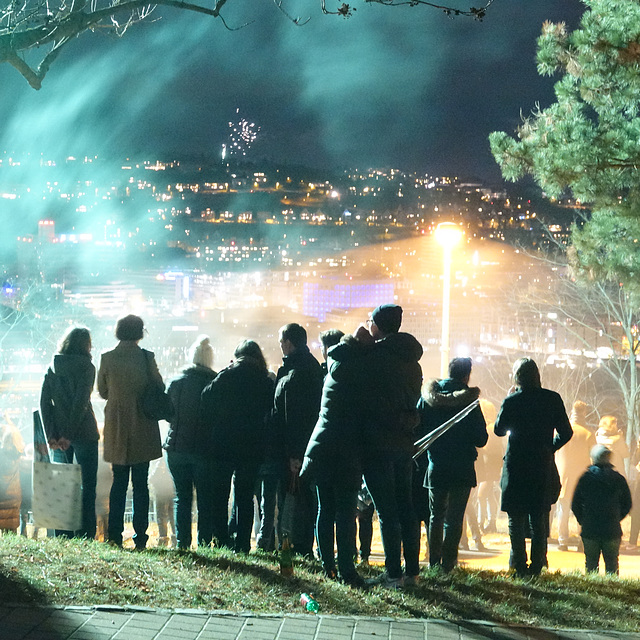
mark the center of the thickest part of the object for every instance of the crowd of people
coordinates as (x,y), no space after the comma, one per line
(322,445)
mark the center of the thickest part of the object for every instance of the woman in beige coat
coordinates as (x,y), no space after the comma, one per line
(131,440)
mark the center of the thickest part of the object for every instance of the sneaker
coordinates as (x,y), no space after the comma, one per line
(384,580)
(355,581)
(411,581)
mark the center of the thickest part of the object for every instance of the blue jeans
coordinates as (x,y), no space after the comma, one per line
(389,483)
(609,547)
(86,454)
(269,490)
(191,471)
(139,474)
(521,524)
(447,506)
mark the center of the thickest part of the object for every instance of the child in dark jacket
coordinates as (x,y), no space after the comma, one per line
(601,500)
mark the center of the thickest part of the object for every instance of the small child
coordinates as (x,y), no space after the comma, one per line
(601,500)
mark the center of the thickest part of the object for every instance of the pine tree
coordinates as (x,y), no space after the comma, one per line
(588,141)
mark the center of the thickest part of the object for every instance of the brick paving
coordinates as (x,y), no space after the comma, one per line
(19,622)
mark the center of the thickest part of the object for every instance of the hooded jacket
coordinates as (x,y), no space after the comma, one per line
(65,399)
(452,456)
(186,431)
(601,500)
(538,426)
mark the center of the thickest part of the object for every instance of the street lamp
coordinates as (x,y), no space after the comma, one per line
(448,235)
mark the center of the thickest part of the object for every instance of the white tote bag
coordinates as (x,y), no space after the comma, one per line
(57,496)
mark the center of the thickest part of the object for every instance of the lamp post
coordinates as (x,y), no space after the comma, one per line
(448,235)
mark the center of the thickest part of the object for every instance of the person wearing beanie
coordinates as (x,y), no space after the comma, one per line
(387,318)
(602,499)
(388,441)
(186,446)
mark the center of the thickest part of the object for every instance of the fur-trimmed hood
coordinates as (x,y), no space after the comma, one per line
(449,394)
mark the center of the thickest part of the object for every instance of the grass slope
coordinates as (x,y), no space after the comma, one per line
(75,572)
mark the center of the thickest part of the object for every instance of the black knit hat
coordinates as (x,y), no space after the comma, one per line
(387,317)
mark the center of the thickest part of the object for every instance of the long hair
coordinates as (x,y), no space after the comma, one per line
(526,374)
(75,341)
(250,349)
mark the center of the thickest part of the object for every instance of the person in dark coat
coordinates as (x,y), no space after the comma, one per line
(296,406)
(234,408)
(537,425)
(131,439)
(68,418)
(451,473)
(602,499)
(389,440)
(333,456)
(187,446)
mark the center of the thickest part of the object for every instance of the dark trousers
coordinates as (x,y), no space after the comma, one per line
(337,505)
(522,524)
(447,506)
(191,471)
(608,547)
(389,483)
(86,454)
(244,474)
(139,474)
(365,529)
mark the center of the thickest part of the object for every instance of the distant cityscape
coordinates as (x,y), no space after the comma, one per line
(236,249)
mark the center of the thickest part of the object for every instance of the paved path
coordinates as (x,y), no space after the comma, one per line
(134,623)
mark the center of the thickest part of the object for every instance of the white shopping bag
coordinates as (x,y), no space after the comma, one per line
(57,487)
(57,496)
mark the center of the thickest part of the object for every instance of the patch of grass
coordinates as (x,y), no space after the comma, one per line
(76,572)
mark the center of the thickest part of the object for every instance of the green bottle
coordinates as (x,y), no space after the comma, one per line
(309,603)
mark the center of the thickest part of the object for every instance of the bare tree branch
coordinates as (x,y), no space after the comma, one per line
(30,24)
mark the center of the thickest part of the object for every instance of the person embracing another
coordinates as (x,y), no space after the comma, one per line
(131,439)
(537,425)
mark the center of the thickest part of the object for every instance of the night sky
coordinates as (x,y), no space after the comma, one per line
(403,87)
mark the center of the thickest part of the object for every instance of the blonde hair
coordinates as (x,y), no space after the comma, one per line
(201,352)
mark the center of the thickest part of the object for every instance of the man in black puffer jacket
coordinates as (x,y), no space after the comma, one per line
(451,473)
(389,440)
(296,407)
(601,500)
